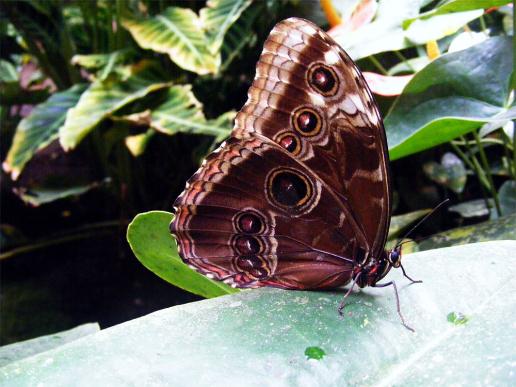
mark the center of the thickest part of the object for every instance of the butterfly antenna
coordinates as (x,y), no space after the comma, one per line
(399,243)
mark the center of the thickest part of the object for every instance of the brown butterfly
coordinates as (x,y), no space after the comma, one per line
(299,197)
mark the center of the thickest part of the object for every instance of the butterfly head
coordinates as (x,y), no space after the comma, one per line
(394,256)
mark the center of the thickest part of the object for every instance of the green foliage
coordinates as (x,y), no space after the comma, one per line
(145,89)
(176,32)
(40,128)
(453,95)
(156,249)
(461,313)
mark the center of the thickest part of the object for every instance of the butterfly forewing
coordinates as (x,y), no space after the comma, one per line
(300,193)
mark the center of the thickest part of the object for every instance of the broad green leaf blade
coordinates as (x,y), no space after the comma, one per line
(453,95)
(178,33)
(40,128)
(263,337)
(498,229)
(101,100)
(218,16)
(182,112)
(24,349)
(151,241)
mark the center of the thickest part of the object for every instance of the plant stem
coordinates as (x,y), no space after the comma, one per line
(405,60)
(378,65)
(482,23)
(85,232)
(475,167)
(485,163)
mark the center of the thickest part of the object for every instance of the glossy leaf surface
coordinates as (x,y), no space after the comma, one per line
(156,249)
(453,95)
(263,336)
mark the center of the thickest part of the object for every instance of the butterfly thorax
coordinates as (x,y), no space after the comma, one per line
(372,271)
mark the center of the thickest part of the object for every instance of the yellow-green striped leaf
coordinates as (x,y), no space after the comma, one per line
(40,128)
(101,100)
(182,112)
(178,33)
(218,16)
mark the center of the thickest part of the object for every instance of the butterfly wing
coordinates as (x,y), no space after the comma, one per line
(300,192)
(303,75)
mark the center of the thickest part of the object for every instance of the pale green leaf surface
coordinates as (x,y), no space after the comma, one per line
(153,244)
(23,349)
(101,100)
(261,337)
(453,95)
(498,229)
(178,33)
(40,128)
(218,16)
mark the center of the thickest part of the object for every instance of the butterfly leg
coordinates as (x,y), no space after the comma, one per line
(343,304)
(410,279)
(397,301)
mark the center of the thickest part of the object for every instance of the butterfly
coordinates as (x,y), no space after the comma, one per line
(299,196)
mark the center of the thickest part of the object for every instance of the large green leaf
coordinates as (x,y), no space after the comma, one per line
(177,32)
(150,239)
(462,313)
(453,95)
(387,33)
(102,99)
(24,349)
(182,113)
(218,16)
(40,128)
(498,229)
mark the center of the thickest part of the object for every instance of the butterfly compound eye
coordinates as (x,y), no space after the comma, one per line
(323,79)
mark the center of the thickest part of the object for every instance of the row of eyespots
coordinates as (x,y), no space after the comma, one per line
(306,121)
(248,246)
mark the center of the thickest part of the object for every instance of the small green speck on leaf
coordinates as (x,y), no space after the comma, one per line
(457,318)
(314,353)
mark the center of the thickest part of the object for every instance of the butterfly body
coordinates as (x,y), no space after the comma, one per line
(299,196)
